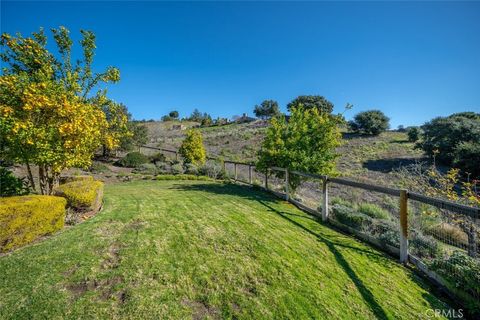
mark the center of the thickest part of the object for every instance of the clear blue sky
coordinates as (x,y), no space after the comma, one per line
(412,60)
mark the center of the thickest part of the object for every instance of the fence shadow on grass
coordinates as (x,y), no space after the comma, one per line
(311,225)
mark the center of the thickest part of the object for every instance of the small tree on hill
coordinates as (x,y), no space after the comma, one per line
(307,142)
(309,102)
(267,109)
(414,134)
(192,149)
(372,122)
(173,114)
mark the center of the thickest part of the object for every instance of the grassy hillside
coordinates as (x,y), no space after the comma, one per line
(364,157)
(178,250)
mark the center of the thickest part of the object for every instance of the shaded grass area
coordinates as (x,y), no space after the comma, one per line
(184,249)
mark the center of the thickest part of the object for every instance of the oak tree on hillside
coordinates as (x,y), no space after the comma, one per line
(267,109)
(309,102)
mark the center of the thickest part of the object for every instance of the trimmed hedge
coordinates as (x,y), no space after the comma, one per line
(183,177)
(25,218)
(84,194)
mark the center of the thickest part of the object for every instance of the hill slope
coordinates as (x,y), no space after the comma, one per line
(175,250)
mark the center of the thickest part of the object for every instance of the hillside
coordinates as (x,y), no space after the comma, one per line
(366,158)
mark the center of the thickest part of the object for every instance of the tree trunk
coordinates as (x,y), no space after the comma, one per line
(30,177)
(42,178)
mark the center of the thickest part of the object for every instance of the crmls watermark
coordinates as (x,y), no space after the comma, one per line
(444,313)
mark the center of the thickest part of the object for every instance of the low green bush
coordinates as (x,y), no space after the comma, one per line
(462,272)
(84,195)
(11,185)
(442,231)
(157,157)
(213,169)
(182,177)
(373,211)
(350,217)
(424,246)
(340,201)
(190,168)
(133,159)
(146,168)
(25,218)
(98,167)
(387,232)
(177,168)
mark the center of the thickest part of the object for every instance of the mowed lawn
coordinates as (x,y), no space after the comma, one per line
(184,249)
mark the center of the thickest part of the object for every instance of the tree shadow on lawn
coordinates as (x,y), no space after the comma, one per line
(332,242)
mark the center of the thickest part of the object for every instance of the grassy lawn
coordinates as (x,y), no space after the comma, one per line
(171,249)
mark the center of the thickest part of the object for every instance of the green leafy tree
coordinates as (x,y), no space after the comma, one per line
(192,149)
(196,116)
(138,137)
(310,102)
(267,109)
(173,114)
(372,122)
(414,134)
(306,142)
(454,141)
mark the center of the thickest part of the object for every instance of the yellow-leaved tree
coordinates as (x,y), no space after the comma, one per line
(48,115)
(192,149)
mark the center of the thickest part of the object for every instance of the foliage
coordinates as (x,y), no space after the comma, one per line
(133,159)
(372,122)
(11,185)
(306,142)
(138,136)
(205,119)
(98,167)
(267,109)
(462,271)
(146,168)
(192,149)
(424,246)
(177,168)
(48,114)
(311,102)
(183,177)
(386,231)
(414,134)
(25,218)
(173,114)
(350,217)
(157,157)
(82,194)
(454,140)
(212,169)
(373,211)
(190,168)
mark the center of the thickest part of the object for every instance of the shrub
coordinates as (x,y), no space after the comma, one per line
(68,179)
(177,169)
(11,185)
(133,159)
(146,168)
(25,218)
(98,167)
(182,177)
(414,134)
(371,122)
(454,140)
(350,217)
(424,246)
(213,169)
(461,271)
(443,231)
(373,211)
(386,231)
(190,168)
(84,195)
(340,201)
(157,157)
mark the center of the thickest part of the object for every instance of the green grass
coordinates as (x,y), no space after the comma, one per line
(178,249)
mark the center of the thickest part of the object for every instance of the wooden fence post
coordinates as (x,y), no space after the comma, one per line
(266,178)
(287,192)
(325,199)
(235,170)
(250,173)
(403,226)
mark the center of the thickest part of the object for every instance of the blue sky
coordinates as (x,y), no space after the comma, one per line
(412,60)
